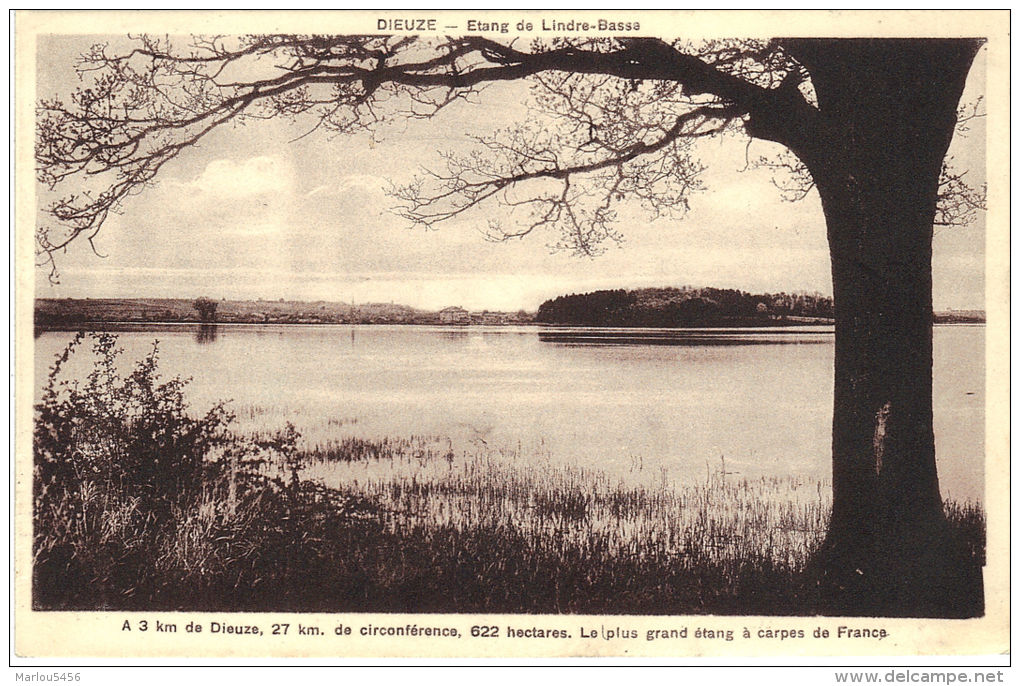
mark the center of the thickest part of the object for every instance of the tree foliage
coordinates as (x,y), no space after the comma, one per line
(672,307)
(206,308)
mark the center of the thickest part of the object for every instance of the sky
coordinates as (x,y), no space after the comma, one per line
(252,213)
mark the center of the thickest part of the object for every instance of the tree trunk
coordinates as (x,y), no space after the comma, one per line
(887,116)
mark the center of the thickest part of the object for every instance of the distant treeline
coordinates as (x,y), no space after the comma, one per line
(960,317)
(687,306)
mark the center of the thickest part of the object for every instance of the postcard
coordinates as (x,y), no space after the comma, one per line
(586,333)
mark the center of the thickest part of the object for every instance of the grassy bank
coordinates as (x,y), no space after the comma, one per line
(140,506)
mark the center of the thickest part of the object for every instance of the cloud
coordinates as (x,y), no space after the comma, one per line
(254,176)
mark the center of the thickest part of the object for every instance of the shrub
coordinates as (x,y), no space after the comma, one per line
(123,435)
(134,498)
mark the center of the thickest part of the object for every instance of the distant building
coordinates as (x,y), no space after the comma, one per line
(454,315)
(486,317)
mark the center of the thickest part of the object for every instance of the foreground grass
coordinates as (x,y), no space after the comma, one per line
(417,529)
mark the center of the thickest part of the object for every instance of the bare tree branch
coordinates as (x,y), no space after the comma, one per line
(139,109)
(623,113)
(958,201)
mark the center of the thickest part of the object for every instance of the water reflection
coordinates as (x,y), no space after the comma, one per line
(685,337)
(453,334)
(207,333)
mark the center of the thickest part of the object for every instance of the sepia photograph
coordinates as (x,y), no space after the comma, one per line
(472,328)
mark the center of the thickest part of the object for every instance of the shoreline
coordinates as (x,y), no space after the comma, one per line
(100,325)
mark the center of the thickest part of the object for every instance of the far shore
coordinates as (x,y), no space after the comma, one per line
(99,325)
(53,314)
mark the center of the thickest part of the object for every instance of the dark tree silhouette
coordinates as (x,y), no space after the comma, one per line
(206,309)
(673,307)
(868,123)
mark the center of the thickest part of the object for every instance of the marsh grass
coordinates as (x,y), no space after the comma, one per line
(148,508)
(493,531)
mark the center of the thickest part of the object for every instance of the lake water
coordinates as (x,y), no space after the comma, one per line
(647,405)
